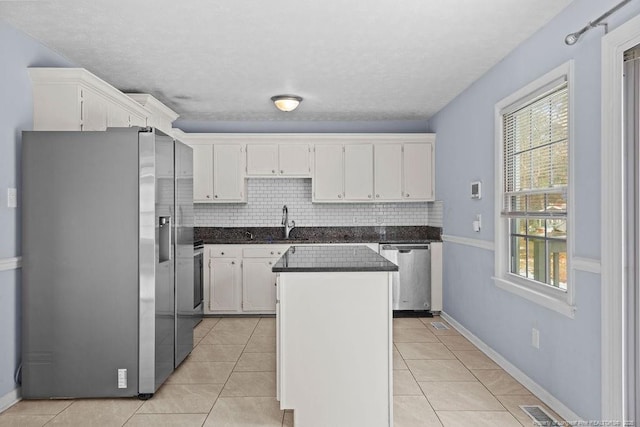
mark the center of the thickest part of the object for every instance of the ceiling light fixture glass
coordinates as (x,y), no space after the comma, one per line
(286,102)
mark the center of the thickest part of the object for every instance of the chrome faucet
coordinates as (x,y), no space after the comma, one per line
(288,226)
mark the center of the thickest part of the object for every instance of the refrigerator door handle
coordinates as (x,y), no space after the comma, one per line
(164,223)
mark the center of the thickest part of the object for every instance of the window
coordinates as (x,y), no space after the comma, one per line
(534,147)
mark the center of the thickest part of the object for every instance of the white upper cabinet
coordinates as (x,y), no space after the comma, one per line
(294,159)
(218,170)
(202,173)
(161,116)
(228,182)
(374,168)
(418,171)
(262,159)
(278,159)
(75,99)
(358,172)
(388,172)
(328,178)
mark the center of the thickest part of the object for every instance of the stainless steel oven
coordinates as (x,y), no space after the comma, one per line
(198,281)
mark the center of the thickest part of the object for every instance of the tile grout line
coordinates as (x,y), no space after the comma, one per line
(234,366)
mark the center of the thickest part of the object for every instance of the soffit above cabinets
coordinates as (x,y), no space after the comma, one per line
(223,60)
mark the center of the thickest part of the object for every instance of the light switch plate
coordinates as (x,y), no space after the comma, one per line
(12,198)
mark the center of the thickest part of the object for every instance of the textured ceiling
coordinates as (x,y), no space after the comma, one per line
(349,59)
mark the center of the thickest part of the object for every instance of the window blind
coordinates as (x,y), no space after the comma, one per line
(536,156)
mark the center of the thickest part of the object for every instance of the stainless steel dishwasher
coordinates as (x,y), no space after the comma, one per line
(412,282)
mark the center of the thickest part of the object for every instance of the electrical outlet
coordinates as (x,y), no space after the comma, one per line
(477,224)
(535,338)
(12,198)
(122,378)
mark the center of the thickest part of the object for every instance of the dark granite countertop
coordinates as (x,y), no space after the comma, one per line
(306,235)
(316,259)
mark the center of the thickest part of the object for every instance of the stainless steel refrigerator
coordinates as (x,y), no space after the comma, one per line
(107,243)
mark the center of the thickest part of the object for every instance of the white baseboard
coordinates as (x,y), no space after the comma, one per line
(542,394)
(10,399)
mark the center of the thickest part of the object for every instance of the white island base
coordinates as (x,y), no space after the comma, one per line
(334,348)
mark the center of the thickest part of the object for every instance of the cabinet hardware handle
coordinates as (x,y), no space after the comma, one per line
(369,196)
(339,196)
(271,252)
(233,263)
(407,194)
(208,196)
(273,171)
(377,195)
(270,263)
(281,171)
(221,253)
(216,196)
(279,252)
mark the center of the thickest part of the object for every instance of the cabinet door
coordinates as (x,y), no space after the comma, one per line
(117,117)
(262,159)
(227,172)
(294,160)
(328,173)
(94,111)
(223,284)
(258,285)
(388,171)
(137,120)
(418,171)
(358,172)
(202,173)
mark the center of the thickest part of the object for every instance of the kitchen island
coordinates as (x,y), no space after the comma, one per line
(334,336)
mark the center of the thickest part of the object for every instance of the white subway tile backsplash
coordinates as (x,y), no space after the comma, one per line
(267,196)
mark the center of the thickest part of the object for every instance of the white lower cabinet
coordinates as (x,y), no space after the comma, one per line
(240,280)
(224,280)
(258,284)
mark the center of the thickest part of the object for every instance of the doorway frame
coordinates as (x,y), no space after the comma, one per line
(613,318)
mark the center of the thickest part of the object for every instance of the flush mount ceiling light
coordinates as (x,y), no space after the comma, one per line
(286,102)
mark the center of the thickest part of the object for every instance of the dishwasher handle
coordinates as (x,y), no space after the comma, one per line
(405,249)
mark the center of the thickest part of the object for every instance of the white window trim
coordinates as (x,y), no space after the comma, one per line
(612,230)
(557,300)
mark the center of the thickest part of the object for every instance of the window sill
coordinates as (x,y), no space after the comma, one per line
(548,301)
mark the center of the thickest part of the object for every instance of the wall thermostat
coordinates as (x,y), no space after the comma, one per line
(476,190)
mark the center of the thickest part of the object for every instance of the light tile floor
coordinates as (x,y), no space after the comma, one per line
(440,379)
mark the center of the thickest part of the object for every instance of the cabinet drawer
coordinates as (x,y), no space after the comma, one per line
(264,252)
(222,252)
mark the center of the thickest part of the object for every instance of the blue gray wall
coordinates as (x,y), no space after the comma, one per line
(568,361)
(18,52)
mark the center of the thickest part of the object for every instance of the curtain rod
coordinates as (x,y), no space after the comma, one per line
(573,37)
